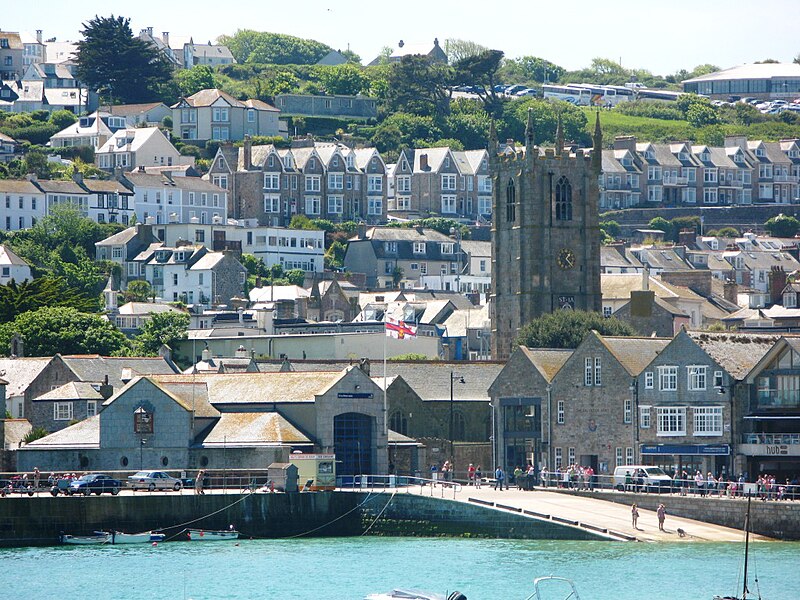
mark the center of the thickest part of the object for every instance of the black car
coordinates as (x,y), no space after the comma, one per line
(96,483)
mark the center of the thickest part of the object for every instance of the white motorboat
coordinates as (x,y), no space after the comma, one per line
(99,538)
(401,594)
(206,535)
(553,587)
(145,537)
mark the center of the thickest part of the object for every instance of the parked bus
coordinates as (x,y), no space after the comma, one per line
(651,94)
(604,95)
(573,95)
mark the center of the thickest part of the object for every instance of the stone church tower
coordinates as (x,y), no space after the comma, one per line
(545,235)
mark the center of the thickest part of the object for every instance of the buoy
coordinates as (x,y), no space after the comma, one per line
(155,544)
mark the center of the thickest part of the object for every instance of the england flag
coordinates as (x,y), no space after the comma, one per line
(399,330)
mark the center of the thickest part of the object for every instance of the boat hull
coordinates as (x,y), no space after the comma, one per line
(85,540)
(202,535)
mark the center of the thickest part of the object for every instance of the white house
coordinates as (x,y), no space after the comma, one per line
(22,204)
(12,267)
(162,198)
(92,130)
(131,148)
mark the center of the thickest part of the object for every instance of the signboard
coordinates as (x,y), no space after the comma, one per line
(355,395)
(312,456)
(770,449)
(687,449)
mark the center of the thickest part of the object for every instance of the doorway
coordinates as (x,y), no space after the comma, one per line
(352,443)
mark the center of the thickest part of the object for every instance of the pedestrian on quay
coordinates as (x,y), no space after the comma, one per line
(478,477)
(544,476)
(36,477)
(635,516)
(198,482)
(471,474)
(499,476)
(662,514)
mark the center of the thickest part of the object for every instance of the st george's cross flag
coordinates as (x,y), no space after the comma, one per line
(399,330)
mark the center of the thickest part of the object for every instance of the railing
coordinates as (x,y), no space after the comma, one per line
(403,483)
(771,438)
(675,180)
(785,178)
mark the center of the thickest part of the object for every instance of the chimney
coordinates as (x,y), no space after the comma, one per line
(777,283)
(363,364)
(423,162)
(77,177)
(625,142)
(732,141)
(420,229)
(165,38)
(241,351)
(687,237)
(150,31)
(435,41)
(165,352)
(646,278)
(642,303)
(248,153)
(401,44)
(362,230)
(205,355)
(106,390)
(730,291)
(39,35)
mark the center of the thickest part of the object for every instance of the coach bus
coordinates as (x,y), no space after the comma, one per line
(573,95)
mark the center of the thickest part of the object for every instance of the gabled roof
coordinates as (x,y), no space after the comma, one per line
(618,286)
(548,361)
(8,257)
(127,110)
(14,432)
(431,380)
(737,353)
(134,139)
(21,372)
(84,434)
(74,390)
(94,368)
(208,97)
(633,353)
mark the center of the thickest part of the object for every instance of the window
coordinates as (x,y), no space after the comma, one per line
(91,408)
(419,247)
(597,378)
(219,113)
(312,205)
(404,184)
(571,455)
(653,173)
(668,379)
(709,175)
(375,206)
(558,457)
(484,184)
(312,183)
(335,181)
(142,421)
(644,417)
(628,411)
(484,206)
(62,411)
(560,412)
(374,184)
(629,456)
(697,378)
(448,204)
(648,380)
(423,268)
(272,203)
(511,201)
(335,204)
(587,376)
(251,116)
(563,200)
(272,181)
(671,421)
(619,457)
(606,311)
(707,420)
(718,379)
(448,183)
(116,252)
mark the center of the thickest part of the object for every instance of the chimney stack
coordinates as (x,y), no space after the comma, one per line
(39,35)
(165,38)
(248,153)
(423,162)
(730,291)
(777,283)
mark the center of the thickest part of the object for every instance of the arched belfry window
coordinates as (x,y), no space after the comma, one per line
(511,201)
(563,200)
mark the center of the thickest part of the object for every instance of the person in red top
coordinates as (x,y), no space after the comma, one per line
(471,474)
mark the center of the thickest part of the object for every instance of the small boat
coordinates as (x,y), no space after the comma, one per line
(745,589)
(554,585)
(401,594)
(206,535)
(98,538)
(145,537)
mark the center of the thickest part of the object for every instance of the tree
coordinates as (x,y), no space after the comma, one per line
(138,291)
(480,71)
(191,81)
(296,277)
(457,50)
(334,255)
(662,224)
(161,328)
(419,86)
(260,47)
(412,356)
(126,69)
(347,79)
(611,228)
(51,330)
(567,328)
(700,114)
(544,115)
(729,232)
(530,69)
(782,226)
(62,118)
(303,222)
(17,298)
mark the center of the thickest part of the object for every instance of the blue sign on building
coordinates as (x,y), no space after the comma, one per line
(687,449)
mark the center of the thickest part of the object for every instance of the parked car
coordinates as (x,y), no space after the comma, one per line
(513,89)
(648,477)
(154,480)
(96,483)
(527,92)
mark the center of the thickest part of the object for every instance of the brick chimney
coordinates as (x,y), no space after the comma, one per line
(730,291)
(687,237)
(248,153)
(625,142)
(165,38)
(777,283)
(423,162)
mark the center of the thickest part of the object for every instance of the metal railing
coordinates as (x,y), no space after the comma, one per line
(402,483)
(771,438)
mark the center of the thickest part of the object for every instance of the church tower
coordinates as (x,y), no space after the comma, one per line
(545,233)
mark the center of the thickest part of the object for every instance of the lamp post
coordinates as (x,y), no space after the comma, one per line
(457,232)
(453,379)
(142,442)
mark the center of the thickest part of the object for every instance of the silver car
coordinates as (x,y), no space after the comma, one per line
(153,480)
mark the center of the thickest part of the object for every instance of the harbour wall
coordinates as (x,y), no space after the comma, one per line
(776,519)
(26,521)
(412,515)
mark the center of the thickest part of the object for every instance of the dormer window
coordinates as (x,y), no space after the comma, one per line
(390,247)
(419,247)
(447,248)
(683,155)
(759,152)
(705,156)
(790,300)
(84,122)
(626,161)
(312,163)
(649,154)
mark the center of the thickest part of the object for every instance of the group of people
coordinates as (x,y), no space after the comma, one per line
(575,476)
(661,514)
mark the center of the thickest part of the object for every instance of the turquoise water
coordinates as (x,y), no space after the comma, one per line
(350,568)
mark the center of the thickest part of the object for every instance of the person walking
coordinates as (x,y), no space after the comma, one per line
(198,482)
(478,477)
(662,514)
(471,474)
(499,476)
(36,477)
(635,516)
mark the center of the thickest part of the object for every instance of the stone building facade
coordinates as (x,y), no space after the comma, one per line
(546,238)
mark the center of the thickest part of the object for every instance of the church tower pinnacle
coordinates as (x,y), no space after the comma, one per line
(529,137)
(597,146)
(559,136)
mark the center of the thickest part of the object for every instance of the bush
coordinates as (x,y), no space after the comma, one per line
(191,150)
(782,226)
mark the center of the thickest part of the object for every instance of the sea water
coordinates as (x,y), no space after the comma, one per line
(351,568)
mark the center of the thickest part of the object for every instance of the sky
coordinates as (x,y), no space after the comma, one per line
(659,35)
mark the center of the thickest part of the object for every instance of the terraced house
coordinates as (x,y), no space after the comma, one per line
(740,172)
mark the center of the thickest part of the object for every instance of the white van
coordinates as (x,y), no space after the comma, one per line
(652,478)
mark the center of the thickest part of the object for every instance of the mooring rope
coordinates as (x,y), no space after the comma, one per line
(366,531)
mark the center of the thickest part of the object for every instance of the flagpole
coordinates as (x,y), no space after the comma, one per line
(385,402)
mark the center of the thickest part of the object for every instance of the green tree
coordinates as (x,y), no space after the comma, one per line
(257,47)
(568,328)
(255,266)
(191,81)
(419,86)
(138,291)
(611,228)
(334,255)
(457,50)
(284,82)
(701,114)
(729,232)
(126,69)
(303,222)
(480,71)
(347,79)
(662,224)
(51,330)
(782,226)
(544,115)
(530,69)
(32,294)
(161,328)
(412,356)
(402,129)
(296,277)
(62,118)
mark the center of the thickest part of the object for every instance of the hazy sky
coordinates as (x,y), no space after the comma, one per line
(662,36)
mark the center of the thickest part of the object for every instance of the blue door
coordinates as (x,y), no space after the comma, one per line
(352,442)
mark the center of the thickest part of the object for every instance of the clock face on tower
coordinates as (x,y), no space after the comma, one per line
(566,259)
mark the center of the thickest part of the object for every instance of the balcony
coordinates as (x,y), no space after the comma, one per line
(617,186)
(770,444)
(731,183)
(777,399)
(771,438)
(670,180)
(785,178)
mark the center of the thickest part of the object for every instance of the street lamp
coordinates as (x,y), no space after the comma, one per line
(453,379)
(457,232)
(142,442)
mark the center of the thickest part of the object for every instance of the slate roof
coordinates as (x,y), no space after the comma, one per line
(634,354)
(737,353)
(548,361)
(459,321)
(253,429)
(146,308)
(431,380)
(84,434)
(94,368)
(663,258)
(8,257)
(137,137)
(14,431)
(74,390)
(616,286)
(126,110)
(21,372)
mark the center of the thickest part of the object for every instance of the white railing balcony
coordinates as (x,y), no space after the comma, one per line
(785,179)
(670,180)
